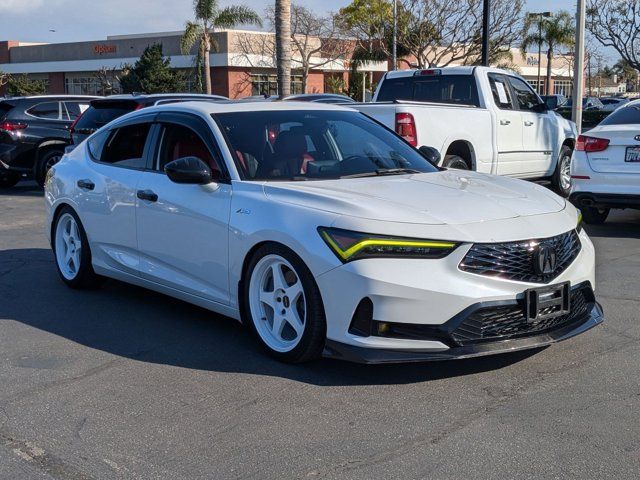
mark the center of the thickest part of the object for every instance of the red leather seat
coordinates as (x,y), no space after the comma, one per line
(193,146)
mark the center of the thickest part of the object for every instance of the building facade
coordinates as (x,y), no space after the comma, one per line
(243,64)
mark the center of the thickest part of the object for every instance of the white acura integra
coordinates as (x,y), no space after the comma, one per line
(322,231)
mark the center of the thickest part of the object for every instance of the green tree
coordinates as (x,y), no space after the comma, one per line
(553,32)
(209,17)
(283,46)
(152,73)
(22,85)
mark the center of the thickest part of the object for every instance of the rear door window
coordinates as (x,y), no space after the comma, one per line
(124,146)
(500,91)
(455,89)
(46,110)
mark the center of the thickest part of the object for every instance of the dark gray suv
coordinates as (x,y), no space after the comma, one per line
(34,132)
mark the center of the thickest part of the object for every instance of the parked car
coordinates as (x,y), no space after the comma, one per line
(322,231)
(302,97)
(588,103)
(609,104)
(104,110)
(479,118)
(34,132)
(605,171)
(554,101)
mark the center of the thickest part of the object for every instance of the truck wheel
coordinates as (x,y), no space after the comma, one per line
(562,176)
(594,215)
(8,179)
(455,161)
(45,161)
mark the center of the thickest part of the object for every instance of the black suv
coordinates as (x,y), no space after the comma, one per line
(34,132)
(106,109)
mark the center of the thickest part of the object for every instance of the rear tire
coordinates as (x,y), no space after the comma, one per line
(71,251)
(455,161)
(45,161)
(282,305)
(9,179)
(594,215)
(562,176)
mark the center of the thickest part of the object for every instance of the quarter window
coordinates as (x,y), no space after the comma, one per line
(526,98)
(125,146)
(73,110)
(46,110)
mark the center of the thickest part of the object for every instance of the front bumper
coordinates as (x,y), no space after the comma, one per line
(356,354)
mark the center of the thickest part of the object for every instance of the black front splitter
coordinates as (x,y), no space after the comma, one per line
(350,353)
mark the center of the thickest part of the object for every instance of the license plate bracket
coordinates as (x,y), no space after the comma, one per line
(632,155)
(547,302)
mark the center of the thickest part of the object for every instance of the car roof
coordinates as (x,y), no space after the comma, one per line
(456,70)
(145,96)
(51,98)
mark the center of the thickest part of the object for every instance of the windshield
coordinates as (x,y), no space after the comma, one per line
(623,116)
(315,145)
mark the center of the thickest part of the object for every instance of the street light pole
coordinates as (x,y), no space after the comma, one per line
(395,35)
(485,33)
(578,67)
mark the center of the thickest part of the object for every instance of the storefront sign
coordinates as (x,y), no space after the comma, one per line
(102,49)
(532,61)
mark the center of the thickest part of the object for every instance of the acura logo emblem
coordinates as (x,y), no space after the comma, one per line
(545,260)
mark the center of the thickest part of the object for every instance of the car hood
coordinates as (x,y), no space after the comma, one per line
(452,197)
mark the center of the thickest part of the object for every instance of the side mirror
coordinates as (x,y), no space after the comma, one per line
(431,154)
(189,170)
(541,108)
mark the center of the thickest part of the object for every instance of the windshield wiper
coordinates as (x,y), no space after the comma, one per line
(383,171)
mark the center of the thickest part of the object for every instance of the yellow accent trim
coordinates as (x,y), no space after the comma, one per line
(346,254)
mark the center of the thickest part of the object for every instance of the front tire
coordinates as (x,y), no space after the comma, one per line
(562,176)
(71,251)
(594,215)
(45,161)
(455,161)
(282,305)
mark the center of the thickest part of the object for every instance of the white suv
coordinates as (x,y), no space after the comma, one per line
(605,170)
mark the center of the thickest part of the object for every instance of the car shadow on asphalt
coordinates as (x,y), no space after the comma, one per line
(23,189)
(620,224)
(139,324)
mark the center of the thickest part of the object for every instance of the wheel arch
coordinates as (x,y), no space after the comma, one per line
(569,142)
(463,149)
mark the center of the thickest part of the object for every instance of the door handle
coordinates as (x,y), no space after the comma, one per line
(86,184)
(505,122)
(148,195)
(528,123)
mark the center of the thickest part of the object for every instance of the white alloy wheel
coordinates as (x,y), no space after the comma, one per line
(68,246)
(565,172)
(277,303)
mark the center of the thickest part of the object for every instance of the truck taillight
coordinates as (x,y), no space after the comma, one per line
(12,126)
(72,127)
(591,144)
(406,128)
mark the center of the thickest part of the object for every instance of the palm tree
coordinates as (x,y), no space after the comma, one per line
(209,18)
(283,46)
(554,31)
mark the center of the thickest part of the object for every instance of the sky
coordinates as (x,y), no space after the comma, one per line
(76,20)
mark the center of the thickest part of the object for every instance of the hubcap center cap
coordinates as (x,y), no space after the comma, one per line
(285,301)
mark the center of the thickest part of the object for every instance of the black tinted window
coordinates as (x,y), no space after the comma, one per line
(308,144)
(526,98)
(98,116)
(48,110)
(623,116)
(457,89)
(178,141)
(73,110)
(125,146)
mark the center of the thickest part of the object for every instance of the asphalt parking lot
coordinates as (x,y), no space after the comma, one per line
(121,382)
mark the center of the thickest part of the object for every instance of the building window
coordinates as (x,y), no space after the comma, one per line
(534,84)
(91,86)
(265,84)
(563,87)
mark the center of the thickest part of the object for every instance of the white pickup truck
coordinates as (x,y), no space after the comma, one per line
(479,118)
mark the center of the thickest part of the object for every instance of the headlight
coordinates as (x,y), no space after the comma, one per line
(579,226)
(348,245)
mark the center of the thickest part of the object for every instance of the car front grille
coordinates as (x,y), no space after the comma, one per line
(508,321)
(516,260)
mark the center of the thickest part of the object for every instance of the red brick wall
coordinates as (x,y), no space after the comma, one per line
(56,83)
(315,82)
